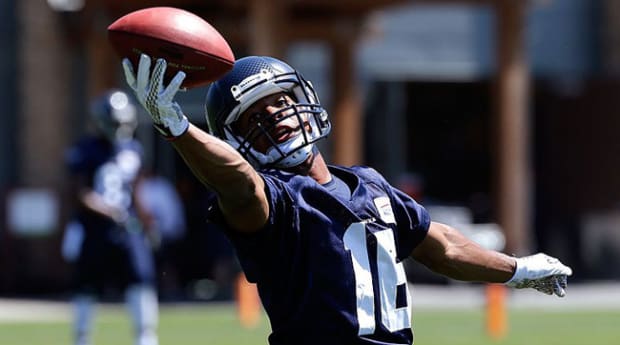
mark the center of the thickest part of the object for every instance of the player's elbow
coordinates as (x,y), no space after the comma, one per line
(246,209)
(443,251)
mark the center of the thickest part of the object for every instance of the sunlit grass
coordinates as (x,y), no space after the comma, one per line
(217,324)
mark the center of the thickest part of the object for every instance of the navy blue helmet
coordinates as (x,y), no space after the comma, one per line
(251,79)
(115,115)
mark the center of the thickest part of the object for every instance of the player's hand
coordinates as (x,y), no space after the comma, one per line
(158,100)
(541,272)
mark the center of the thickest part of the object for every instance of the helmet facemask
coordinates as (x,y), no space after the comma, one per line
(309,123)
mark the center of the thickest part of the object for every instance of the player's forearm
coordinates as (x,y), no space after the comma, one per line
(218,165)
(469,262)
(450,253)
(93,202)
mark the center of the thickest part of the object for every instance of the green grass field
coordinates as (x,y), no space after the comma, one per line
(216,324)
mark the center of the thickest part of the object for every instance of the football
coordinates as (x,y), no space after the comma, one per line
(186,41)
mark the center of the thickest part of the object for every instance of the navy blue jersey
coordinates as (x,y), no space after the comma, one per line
(110,169)
(329,271)
(109,253)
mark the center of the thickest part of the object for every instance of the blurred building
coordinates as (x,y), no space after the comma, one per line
(434,72)
(420,87)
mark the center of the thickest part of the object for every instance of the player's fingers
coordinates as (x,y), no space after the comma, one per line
(561,269)
(562,281)
(153,100)
(158,74)
(555,267)
(174,86)
(544,285)
(130,76)
(557,288)
(144,68)
(548,287)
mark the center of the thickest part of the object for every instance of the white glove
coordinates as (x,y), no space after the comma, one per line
(167,115)
(541,272)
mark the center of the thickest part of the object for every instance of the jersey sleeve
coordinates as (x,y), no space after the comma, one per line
(255,248)
(412,222)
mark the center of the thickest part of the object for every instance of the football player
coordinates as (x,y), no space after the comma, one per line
(114,246)
(325,244)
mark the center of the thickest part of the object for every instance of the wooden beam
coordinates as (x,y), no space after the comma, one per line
(104,65)
(513,159)
(44,85)
(347,129)
(268,22)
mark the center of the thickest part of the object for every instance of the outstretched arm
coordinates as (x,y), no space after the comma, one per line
(448,252)
(239,188)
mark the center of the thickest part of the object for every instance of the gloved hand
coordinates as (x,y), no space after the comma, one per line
(541,272)
(168,118)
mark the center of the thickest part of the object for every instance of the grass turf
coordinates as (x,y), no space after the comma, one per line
(217,324)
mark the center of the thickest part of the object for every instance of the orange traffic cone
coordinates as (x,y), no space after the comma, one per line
(248,302)
(496,322)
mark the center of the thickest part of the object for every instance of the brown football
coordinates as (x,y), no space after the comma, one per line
(185,40)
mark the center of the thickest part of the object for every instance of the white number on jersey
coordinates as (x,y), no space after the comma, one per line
(390,275)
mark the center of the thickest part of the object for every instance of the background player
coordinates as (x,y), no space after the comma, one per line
(324,243)
(115,250)
(167,229)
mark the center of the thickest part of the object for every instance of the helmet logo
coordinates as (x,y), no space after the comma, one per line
(250,82)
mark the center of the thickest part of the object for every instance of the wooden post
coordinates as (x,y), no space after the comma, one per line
(104,66)
(513,175)
(44,91)
(513,128)
(267,19)
(611,37)
(346,115)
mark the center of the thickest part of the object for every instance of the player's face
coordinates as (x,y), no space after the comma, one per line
(271,121)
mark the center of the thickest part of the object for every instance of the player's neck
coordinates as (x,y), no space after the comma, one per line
(318,170)
(314,167)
